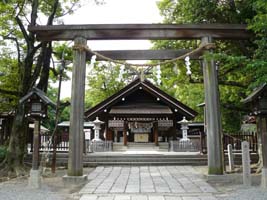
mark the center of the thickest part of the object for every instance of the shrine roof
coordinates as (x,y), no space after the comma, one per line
(146,86)
(255,94)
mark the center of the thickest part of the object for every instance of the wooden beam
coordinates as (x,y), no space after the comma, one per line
(144,54)
(141,31)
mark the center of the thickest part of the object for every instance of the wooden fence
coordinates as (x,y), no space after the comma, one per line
(235,139)
(198,143)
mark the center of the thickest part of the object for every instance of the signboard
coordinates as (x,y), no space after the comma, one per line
(115,123)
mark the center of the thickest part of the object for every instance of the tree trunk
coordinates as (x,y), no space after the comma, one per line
(16,150)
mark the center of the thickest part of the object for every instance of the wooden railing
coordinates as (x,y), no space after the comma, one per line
(235,139)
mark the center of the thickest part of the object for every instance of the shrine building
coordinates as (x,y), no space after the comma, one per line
(140,113)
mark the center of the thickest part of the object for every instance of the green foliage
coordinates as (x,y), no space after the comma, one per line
(103,82)
(64,112)
(9,82)
(242,65)
(3,151)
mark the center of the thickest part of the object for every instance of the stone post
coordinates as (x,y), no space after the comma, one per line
(246,164)
(75,161)
(213,118)
(230,157)
(35,178)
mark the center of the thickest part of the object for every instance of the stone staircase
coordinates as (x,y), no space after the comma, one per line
(146,159)
(132,146)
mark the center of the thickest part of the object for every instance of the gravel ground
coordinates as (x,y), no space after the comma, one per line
(52,189)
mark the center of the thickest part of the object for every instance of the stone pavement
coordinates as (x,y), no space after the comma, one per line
(147,183)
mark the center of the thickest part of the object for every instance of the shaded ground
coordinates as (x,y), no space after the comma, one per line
(52,188)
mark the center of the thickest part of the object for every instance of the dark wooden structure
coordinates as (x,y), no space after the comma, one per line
(257,101)
(81,33)
(6,120)
(141,31)
(36,103)
(140,112)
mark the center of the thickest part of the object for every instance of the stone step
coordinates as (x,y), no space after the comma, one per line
(113,158)
(155,163)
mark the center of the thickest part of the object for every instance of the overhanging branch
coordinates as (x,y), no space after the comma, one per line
(9,92)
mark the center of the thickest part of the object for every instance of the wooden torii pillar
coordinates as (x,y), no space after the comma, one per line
(75,160)
(213,118)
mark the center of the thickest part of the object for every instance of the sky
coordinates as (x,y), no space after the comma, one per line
(114,12)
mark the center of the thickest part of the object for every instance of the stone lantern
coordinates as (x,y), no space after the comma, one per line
(97,127)
(36,103)
(184,127)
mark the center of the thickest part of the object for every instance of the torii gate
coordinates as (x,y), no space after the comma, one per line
(81,33)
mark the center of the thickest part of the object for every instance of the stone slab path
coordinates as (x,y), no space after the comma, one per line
(147,183)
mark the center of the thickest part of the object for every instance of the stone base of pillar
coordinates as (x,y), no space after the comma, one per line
(35,179)
(232,179)
(184,140)
(97,140)
(73,181)
(264,178)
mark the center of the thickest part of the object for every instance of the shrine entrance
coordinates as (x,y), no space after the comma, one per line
(140,113)
(204,33)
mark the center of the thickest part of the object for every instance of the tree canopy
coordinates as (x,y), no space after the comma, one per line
(25,62)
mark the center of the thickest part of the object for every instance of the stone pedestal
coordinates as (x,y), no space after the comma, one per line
(35,179)
(74,181)
(264,178)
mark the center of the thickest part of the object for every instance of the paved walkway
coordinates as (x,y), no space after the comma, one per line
(147,183)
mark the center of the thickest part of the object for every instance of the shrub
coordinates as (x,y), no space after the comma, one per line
(3,151)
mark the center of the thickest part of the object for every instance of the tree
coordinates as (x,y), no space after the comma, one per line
(9,82)
(104,80)
(237,60)
(32,61)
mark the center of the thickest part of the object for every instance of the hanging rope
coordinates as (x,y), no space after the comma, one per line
(87,49)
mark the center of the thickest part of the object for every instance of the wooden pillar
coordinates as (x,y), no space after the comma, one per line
(156,133)
(263,130)
(214,138)
(201,142)
(75,161)
(125,133)
(35,153)
(174,128)
(106,131)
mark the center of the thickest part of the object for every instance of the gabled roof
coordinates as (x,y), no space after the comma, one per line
(255,94)
(40,94)
(148,87)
